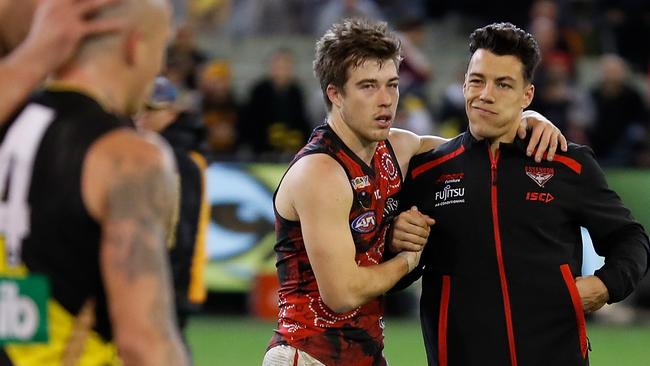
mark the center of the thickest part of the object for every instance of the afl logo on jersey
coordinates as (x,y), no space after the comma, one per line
(364,223)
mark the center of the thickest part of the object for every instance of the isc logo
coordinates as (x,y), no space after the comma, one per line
(19,316)
(539,196)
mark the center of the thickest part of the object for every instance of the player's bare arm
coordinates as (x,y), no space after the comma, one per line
(317,192)
(407,144)
(130,187)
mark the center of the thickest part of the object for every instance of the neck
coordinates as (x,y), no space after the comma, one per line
(362,147)
(506,137)
(98,82)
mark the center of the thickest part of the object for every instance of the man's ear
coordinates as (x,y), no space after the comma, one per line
(334,95)
(529,93)
(132,47)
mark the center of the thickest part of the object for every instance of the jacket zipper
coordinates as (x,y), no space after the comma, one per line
(577,307)
(442,321)
(502,271)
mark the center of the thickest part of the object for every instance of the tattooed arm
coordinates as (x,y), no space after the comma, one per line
(130,187)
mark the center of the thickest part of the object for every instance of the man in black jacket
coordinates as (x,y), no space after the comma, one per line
(502,280)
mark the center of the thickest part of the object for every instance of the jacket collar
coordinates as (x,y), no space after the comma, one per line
(470,142)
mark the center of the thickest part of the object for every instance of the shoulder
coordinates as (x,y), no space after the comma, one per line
(453,146)
(132,148)
(578,158)
(126,161)
(318,170)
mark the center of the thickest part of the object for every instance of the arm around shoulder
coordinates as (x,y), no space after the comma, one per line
(407,144)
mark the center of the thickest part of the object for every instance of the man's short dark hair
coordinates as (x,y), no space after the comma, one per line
(351,43)
(507,39)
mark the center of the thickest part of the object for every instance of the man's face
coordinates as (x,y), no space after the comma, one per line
(369,99)
(495,94)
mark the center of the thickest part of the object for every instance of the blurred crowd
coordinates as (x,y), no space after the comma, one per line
(273,118)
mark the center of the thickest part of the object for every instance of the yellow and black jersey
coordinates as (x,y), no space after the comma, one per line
(188,253)
(49,259)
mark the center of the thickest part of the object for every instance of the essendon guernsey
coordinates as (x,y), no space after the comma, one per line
(305,322)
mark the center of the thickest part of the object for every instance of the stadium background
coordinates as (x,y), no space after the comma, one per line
(238,37)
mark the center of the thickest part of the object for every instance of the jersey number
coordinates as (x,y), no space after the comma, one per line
(17,154)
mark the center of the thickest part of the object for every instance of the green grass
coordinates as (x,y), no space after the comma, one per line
(241,341)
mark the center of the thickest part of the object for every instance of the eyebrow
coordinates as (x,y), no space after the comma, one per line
(501,78)
(375,81)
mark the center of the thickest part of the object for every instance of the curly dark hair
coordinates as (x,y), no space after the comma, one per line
(507,39)
(349,44)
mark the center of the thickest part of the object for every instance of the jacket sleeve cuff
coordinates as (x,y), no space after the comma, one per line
(614,283)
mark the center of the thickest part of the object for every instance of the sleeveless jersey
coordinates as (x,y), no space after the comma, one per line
(305,322)
(45,228)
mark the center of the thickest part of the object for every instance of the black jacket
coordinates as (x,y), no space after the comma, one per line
(498,272)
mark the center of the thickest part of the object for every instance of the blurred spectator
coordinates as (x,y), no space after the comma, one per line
(336,10)
(553,45)
(451,115)
(208,14)
(481,12)
(395,10)
(557,98)
(184,133)
(219,109)
(414,113)
(621,115)
(567,37)
(268,17)
(627,22)
(184,58)
(275,121)
(415,71)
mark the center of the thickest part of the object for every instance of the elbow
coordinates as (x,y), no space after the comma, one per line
(339,302)
(149,349)
(132,350)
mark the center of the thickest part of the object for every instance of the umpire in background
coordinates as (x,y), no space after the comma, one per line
(186,134)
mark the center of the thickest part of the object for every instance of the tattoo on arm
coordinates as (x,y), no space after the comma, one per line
(143,205)
(141,208)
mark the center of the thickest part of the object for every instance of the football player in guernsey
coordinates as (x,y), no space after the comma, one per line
(335,202)
(86,206)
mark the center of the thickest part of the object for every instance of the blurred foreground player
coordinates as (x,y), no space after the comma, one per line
(87,205)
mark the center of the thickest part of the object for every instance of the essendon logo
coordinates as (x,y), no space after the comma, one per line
(540,175)
(364,223)
(360,182)
(543,197)
(450,178)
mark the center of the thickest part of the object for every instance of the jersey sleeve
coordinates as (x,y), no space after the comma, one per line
(616,235)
